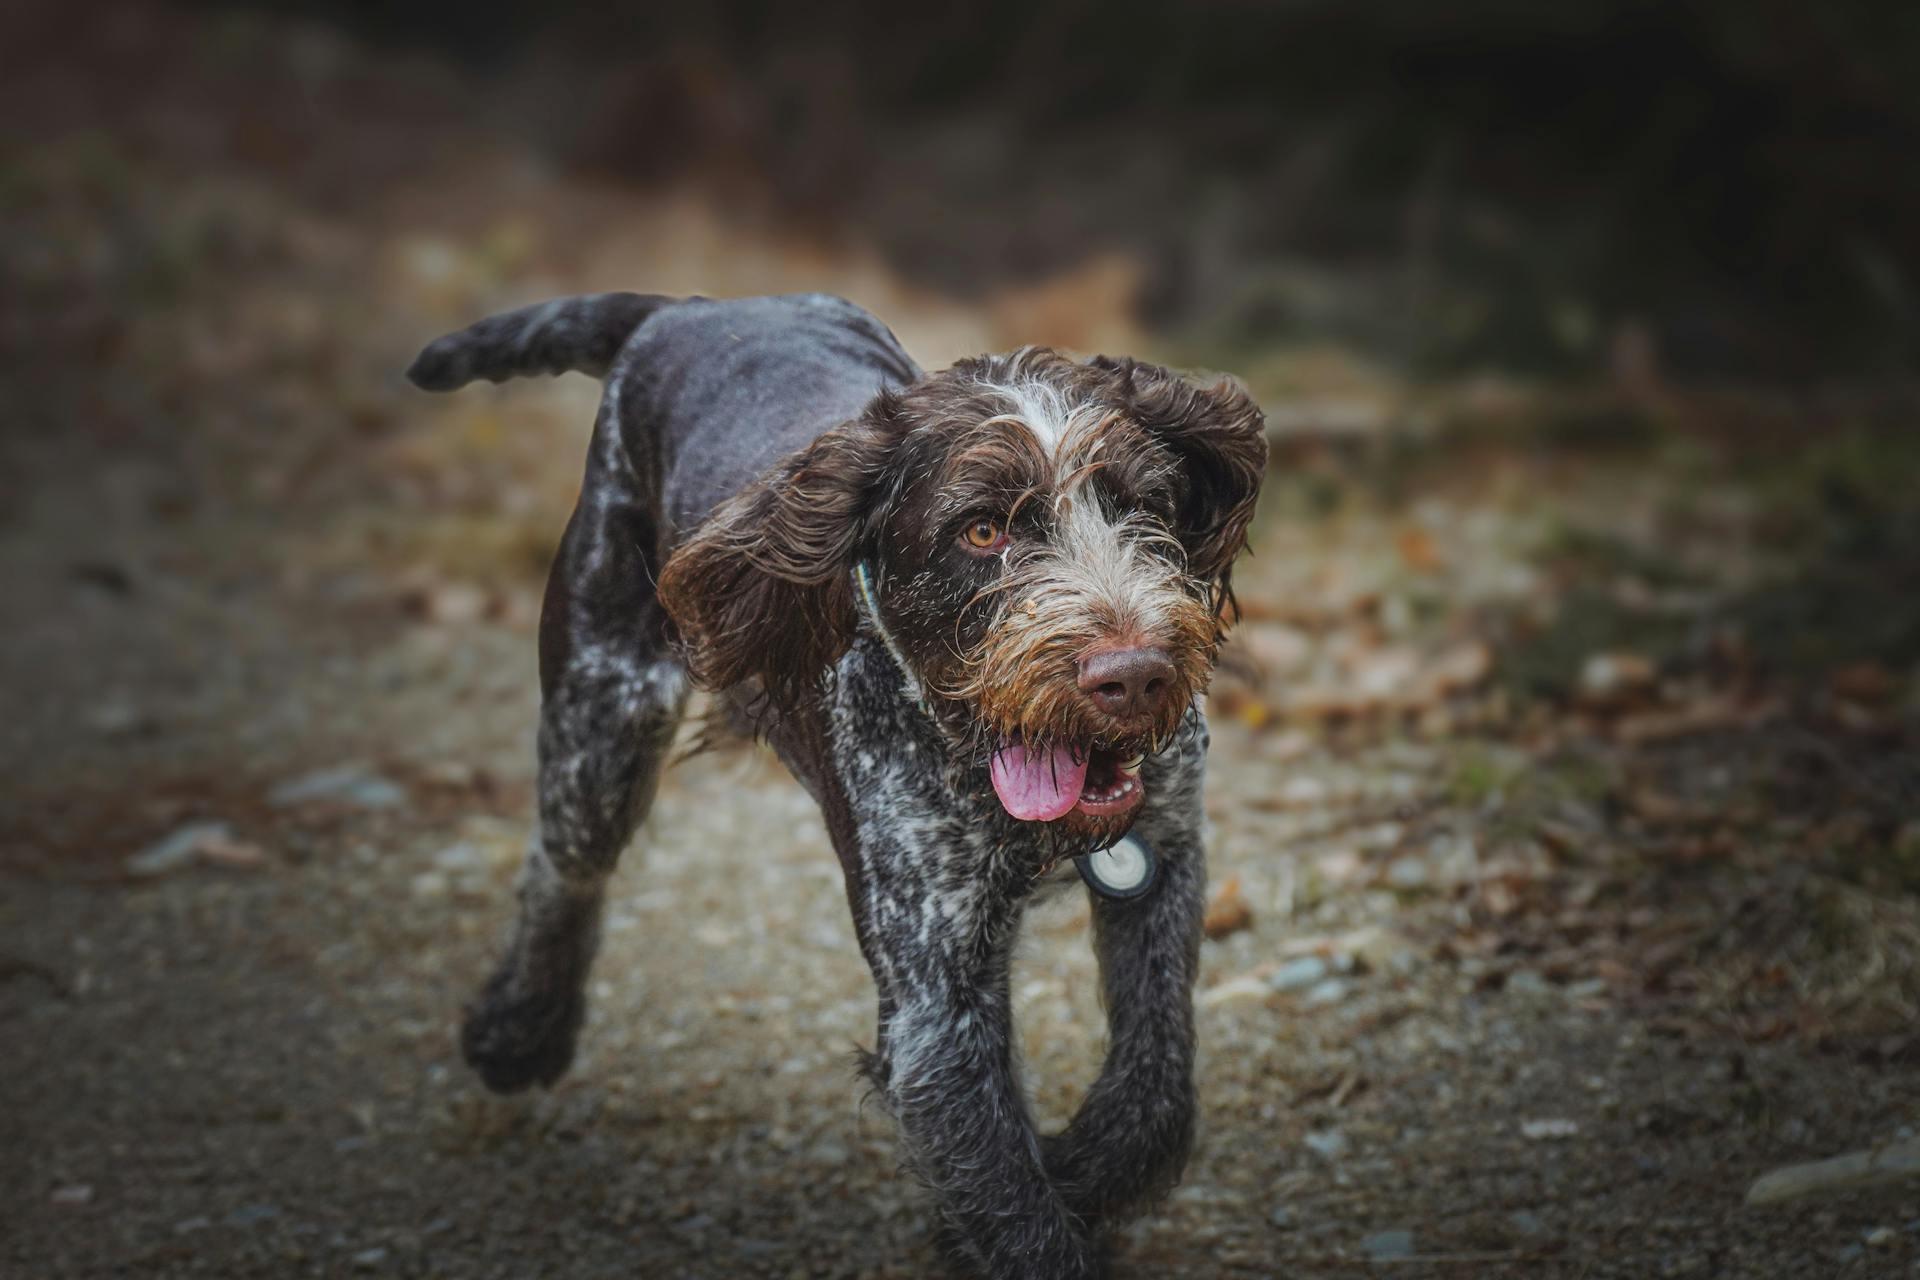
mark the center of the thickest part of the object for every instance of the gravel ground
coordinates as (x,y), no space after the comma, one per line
(1487,1016)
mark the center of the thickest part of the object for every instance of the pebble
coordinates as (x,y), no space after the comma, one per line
(1526,1222)
(460,856)
(1295,974)
(187,1226)
(79,1193)
(1332,991)
(1281,1218)
(178,848)
(348,784)
(1525,982)
(117,720)
(1302,791)
(1329,1144)
(1879,1237)
(430,884)
(368,1259)
(1409,873)
(252,1215)
(1380,950)
(1548,1130)
(1397,1243)
(1245,986)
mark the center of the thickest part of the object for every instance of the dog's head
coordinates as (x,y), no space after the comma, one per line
(1049,544)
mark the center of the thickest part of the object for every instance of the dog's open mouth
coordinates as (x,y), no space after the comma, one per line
(1042,785)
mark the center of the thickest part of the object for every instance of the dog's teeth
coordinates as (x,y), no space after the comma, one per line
(1132,763)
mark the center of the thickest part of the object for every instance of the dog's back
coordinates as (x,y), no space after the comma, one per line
(751,379)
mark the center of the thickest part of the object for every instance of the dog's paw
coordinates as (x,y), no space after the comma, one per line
(517,1040)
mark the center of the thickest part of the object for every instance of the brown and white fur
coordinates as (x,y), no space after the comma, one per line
(951,601)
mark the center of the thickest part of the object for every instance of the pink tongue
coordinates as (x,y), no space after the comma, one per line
(1037,786)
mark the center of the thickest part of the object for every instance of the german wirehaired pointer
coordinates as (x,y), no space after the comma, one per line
(974,612)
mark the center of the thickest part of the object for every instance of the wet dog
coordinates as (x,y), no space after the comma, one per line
(973,611)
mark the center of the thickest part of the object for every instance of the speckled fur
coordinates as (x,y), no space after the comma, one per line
(720,419)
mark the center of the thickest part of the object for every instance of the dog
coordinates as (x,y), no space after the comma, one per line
(974,613)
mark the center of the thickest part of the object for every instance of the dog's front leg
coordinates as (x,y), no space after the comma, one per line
(1128,1143)
(946,1067)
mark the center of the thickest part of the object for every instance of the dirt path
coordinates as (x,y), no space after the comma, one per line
(1519,994)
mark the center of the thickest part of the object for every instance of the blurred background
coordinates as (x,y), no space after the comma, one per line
(1565,780)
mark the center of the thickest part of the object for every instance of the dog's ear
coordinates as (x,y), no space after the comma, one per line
(763,587)
(1219,436)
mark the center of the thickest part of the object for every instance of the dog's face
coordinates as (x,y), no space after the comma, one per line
(1049,544)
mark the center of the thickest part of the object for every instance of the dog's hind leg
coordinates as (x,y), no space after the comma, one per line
(612,696)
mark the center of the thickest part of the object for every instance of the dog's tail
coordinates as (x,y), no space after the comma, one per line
(582,333)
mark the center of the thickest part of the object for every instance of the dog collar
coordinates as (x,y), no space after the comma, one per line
(869,598)
(1124,869)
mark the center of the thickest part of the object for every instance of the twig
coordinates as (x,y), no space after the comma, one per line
(1873,1167)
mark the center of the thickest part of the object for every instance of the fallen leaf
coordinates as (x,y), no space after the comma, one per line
(1228,913)
(1867,682)
(1418,549)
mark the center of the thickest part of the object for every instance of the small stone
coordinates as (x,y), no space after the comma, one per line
(345,784)
(1548,1130)
(177,849)
(430,884)
(1880,1238)
(1525,1222)
(1332,991)
(1397,1243)
(1245,986)
(251,1215)
(117,720)
(1329,1144)
(1281,1218)
(1380,950)
(187,1226)
(449,603)
(368,1259)
(78,1193)
(1302,791)
(1298,973)
(1527,983)
(462,855)
(236,855)
(1409,872)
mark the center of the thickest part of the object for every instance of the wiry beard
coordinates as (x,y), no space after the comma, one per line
(1057,603)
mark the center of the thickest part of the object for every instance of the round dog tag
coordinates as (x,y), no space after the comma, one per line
(1125,869)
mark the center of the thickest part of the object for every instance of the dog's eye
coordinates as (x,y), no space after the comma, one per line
(985,535)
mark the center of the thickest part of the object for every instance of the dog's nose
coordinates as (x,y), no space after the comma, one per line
(1126,682)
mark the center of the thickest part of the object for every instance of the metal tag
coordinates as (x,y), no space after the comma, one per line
(1124,869)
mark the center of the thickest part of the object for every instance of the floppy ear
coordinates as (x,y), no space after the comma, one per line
(1220,437)
(762,587)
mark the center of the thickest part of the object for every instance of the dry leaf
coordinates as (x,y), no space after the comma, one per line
(1228,913)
